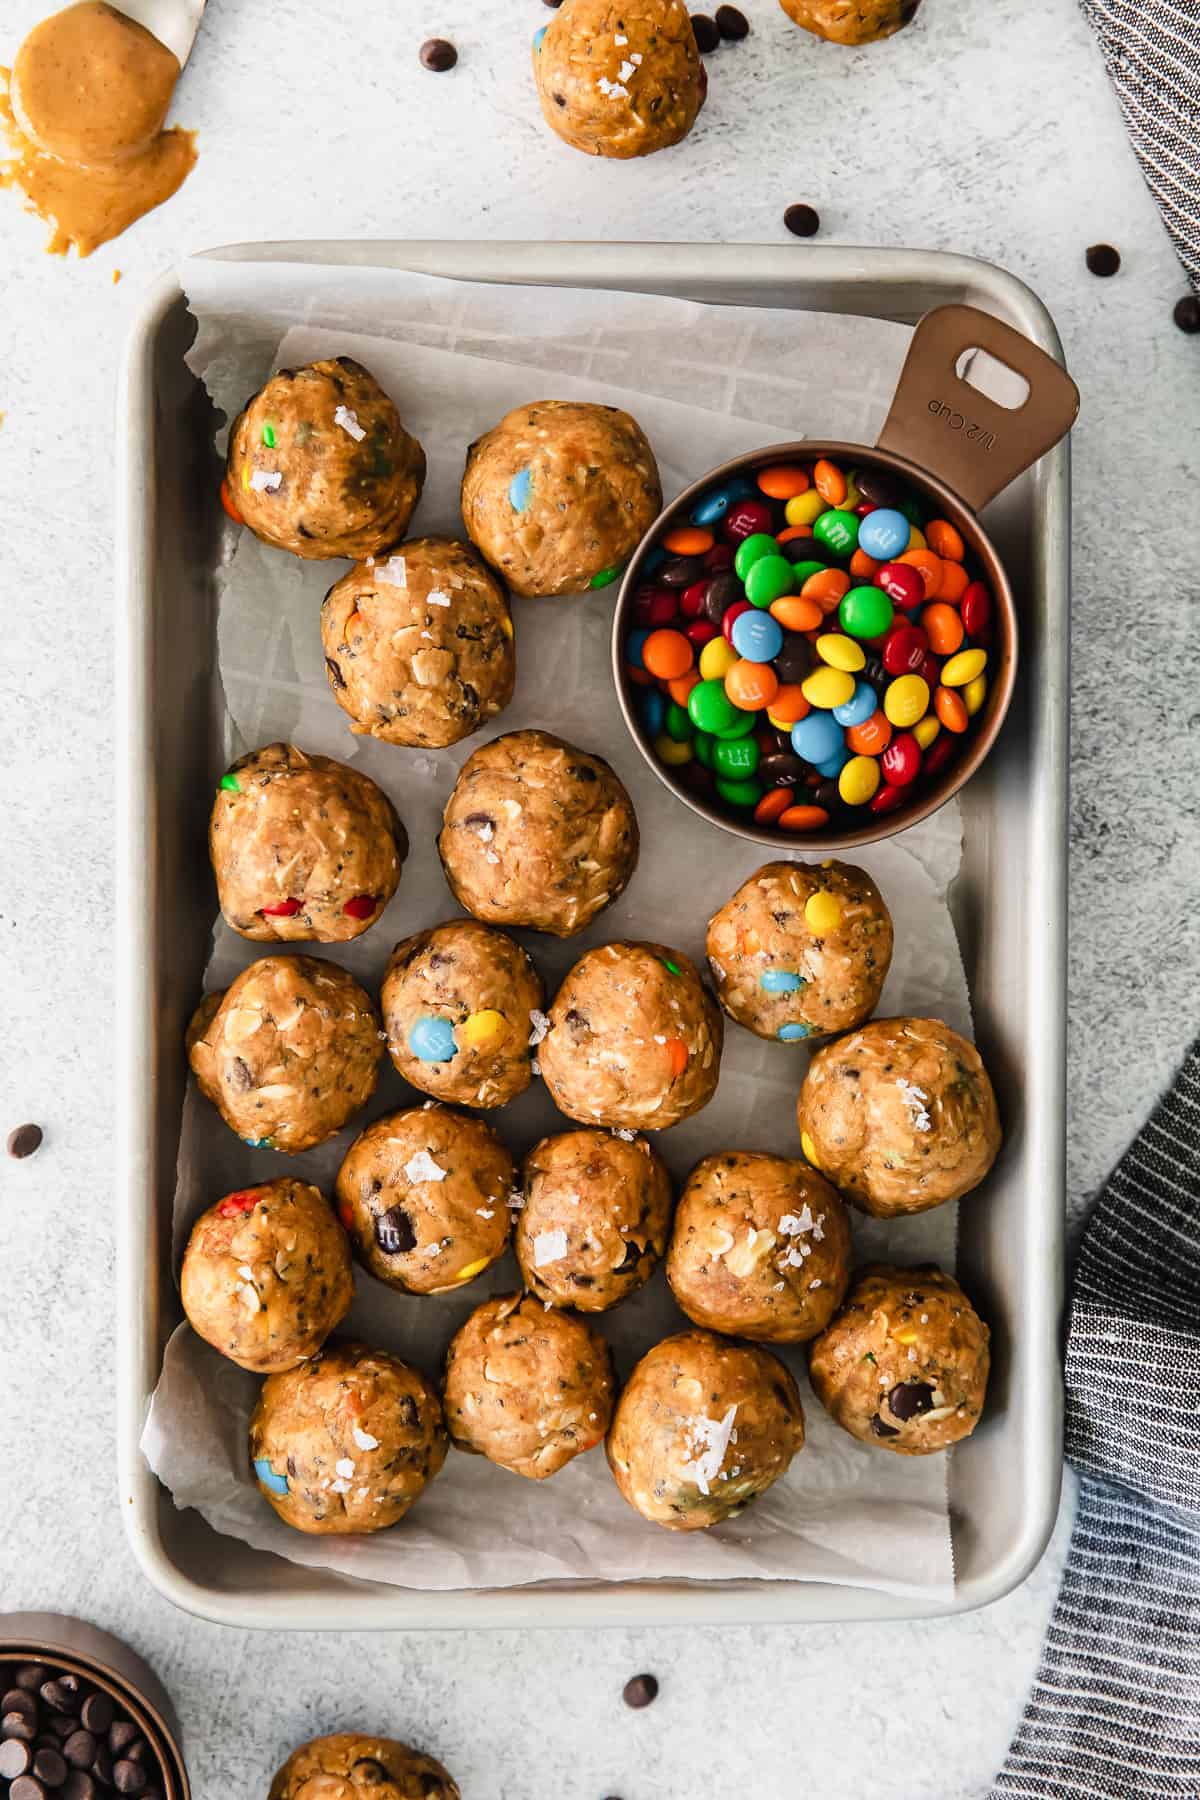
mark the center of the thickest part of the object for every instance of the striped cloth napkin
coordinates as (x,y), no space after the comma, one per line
(1151,49)
(1115,1708)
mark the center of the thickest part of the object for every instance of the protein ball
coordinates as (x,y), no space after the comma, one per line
(528,1388)
(303,847)
(702,1428)
(288,1052)
(346,1442)
(419,644)
(537,833)
(355,1766)
(801,950)
(619,80)
(851,21)
(425,1197)
(595,1220)
(760,1248)
(900,1116)
(267,1275)
(459,1007)
(904,1365)
(634,1039)
(320,464)
(558,495)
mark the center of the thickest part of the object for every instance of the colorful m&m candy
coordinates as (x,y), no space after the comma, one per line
(812,644)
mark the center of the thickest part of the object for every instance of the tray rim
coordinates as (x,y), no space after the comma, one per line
(893,283)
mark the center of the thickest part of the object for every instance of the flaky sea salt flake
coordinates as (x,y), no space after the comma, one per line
(422,1167)
(347,418)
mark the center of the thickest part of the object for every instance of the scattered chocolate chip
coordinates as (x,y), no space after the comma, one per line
(908,1398)
(15,1758)
(98,1713)
(707,35)
(732,24)
(438,54)
(881,1430)
(640,1690)
(21,1143)
(802,220)
(394,1232)
(1187,313)
(50,1767)
(1102,259)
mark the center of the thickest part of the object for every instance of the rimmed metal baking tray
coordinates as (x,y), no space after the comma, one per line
(1009,904)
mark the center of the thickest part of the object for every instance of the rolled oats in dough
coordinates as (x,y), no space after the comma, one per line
(904,1365)
(267,1275)
(288,1052)
(425,1196)
(419,644)
(346,1442)
(303,847)
(320,464)
(634,1040)
(528,1387)
(900,1116)
(595,1220)
(558,495)
(702,1428)
(537,833)
(760,1248)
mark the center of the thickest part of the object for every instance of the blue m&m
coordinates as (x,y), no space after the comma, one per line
(817,738)
(431,1039)
(884,534)
(756,636)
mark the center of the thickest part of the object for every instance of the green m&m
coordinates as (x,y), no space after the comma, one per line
(768,579)
(865,612)
(752,549)
(710,707)
(735,758)
(837,529)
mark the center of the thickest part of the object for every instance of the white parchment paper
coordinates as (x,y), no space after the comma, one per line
(706,383)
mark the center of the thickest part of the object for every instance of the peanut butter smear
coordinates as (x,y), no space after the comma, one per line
(84,113)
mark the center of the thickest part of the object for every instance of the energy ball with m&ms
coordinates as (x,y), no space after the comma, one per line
(900,1116)
(634,1040)
(461,1006)
(537,833)
(807,648)
(267,1275)
(801,950)
(528,1387)
(703,1427)
(288,1053)
(904,1365)
(617,79)
(760,1248)
(851,21)
(353,1765)
(595,1220)
(425,1196)
(320,464)
(419,644)
(347,1441)
(558,494)
(303,847)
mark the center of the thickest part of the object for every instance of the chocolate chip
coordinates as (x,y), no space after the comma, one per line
(49,1766)
(478,820)
(707,35)
(21,1143)
(30,1676)
(98,1713)
(80,1749)
(335,674)
(102,1765)
(640,1690)
(368,1772)
(802,220)
(62,1694)
(18,1701)
(732,24)
(394,1232)
(122,1734)
(16,1725)
(438,54)
(881,1430)
(79,1786)
(15,1758)
(27,1787)
(1102,259)
(581,772)
(1187,313)
(129,1777)
(908,1398)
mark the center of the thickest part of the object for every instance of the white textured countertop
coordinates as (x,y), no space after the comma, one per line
(987,128)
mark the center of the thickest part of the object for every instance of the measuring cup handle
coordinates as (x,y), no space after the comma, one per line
(944,425)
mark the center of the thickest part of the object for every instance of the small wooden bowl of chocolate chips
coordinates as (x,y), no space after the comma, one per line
(81,1716)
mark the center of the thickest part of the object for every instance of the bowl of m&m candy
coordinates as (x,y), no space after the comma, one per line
(815,644)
